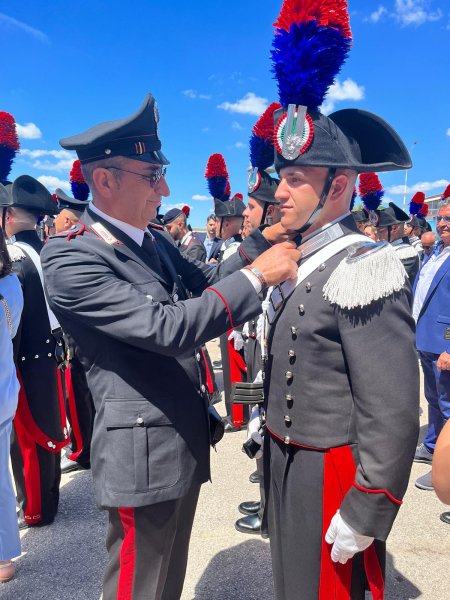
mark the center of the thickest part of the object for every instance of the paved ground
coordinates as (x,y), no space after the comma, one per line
(66,561)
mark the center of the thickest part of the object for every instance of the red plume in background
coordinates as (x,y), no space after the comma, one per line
(240,196)
(9,144)
(186,210)
(327,13)
(446,194)
(80,188)
(423,212)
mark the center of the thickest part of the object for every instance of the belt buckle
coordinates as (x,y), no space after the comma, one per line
(278,305)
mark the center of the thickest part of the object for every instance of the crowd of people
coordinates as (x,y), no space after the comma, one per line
(104,328)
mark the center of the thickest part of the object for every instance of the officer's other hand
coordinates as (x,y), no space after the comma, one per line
(278,263)
(346,540)
(275,234)
(443,363)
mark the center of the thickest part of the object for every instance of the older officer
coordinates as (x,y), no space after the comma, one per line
(119,291)
(338,451)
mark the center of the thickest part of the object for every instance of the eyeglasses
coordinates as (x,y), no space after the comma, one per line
(427,247)
(438,219)
(153,179)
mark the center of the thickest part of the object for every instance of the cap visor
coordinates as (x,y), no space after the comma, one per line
(155,158)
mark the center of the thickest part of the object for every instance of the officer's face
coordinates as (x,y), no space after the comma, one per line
(442,228)
(252,215)
(174,230)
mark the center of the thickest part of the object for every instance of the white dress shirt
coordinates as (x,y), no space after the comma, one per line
(429,270)
(136,234)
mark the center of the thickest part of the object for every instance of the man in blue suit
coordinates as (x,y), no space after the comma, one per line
(211,242)
(432,313)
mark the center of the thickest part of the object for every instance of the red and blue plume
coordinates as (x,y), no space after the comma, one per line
(216,176)
(353,200)
(262,141)
(423,212)
(370,190)
(9,144)
(312,41)
(186,210)
(237,197)
(446,194)
(416,203)
(80,188)
(227,192)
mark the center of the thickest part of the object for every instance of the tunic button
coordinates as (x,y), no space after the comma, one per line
(49,354)
(308,287)
(288,375)
(197,356)
(139,420)
(175,297)
(291,353)
(37,356)
(301,308)
(322,267)
(23,357)
(203,389)
(294,330)
(287,418)
(149,297)
(47,341)
(289,398)
(287,439)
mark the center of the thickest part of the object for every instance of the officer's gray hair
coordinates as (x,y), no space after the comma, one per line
(89,168)
(444,203)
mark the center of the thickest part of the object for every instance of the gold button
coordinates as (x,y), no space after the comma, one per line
(287,418)
(107,151)
(289,398)
(294,330)
(308,287)
(288,375)
(322,267)
(287,439)
(23,357)
(139,420)
(49,354)
(301,308)
(291,353)
(47,341)
(37,356)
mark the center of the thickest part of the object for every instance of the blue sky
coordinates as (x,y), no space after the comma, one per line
(67,66)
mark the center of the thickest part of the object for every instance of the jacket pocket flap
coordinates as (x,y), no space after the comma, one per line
(134,413)
(444,319)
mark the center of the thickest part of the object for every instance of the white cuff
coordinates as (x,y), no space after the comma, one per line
(253,280)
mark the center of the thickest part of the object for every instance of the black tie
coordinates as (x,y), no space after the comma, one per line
(148,245)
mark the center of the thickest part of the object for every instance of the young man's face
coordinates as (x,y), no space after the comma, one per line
(174,229)
(211,228)
(253,215)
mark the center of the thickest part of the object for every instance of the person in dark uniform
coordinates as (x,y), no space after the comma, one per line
(361,219)
(175,222)
(80,407)
(39,428)
(262,209)
(337,449)
(119,291)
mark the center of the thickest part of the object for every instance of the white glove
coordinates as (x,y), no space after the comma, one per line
(245,329)
(346,541)
(238,340)
(253,429)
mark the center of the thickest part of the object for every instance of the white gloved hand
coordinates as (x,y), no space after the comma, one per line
(346,541)
(245,329)
(238,340)
(253,428)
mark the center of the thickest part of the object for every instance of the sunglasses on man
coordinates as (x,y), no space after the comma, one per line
(153,179)
(427,247)
(438,219)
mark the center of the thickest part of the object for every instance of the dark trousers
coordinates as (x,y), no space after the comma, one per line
(148,550)
(437,393)
(37,475)
(262,492)
(80,412)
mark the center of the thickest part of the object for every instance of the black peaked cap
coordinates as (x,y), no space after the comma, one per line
(230,208)
(65,201)
(28,193)
(360,216)
(171,215)
(347,139)
(135,137)
(393,215)
(264,187)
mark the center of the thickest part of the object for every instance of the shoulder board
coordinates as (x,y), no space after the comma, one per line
(101,231)
(75,230)
(154,226)
(406,251)
(372,272)
(16,254)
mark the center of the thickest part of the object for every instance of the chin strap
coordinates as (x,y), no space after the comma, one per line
(389,229)
(323,197)
(3,222)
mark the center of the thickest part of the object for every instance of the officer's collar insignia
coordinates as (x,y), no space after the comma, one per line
(254,180)
(104,234)
(371,272)
(294,132)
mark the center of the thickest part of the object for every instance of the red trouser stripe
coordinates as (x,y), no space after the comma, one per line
(209,382)
(237,369)
(31,469)
(127,555)
(62,406)
(74,423)
(335,578)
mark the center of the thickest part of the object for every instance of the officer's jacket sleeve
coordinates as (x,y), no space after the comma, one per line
(196,251)
(412,265)
(82,286)
(379,347)
(197,276)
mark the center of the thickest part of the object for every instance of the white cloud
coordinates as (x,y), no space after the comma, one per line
(415,12)
(52,183)
(11,23)
(240,145)
(205,129)
(204,96)
(376,15)
(62,165)
(349,90)
(250,104)
(448,132)
(29,131)
(200,197)
(193,94)
(235,125)
(55,153)
(422,186)
(168,207)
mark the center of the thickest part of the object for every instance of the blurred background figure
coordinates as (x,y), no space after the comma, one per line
(212,242)
(12,301)
(429,241)
(370,231)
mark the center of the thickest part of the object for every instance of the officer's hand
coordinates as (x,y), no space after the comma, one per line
(346,540)
(278,263)
(443,363)
(275,234)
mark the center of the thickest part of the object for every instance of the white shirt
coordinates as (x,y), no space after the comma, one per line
(429,270)
(185,238)
(136,234)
